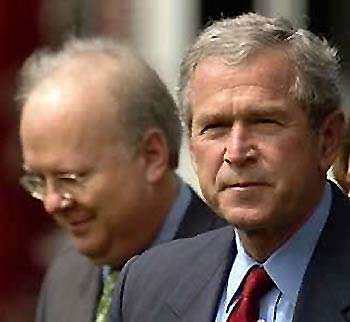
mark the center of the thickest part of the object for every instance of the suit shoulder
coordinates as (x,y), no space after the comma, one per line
(71,278)
(178,252)
(159,271)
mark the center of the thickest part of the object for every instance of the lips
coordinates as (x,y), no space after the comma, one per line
(243,185)
(246,185)
(79,221)
(79,225)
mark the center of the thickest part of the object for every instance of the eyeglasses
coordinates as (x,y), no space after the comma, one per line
(66,184)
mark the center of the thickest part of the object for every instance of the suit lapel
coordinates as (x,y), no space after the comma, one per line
(325,292)
(196,296)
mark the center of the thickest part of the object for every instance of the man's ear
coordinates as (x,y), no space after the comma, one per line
(330,136)
(154,151)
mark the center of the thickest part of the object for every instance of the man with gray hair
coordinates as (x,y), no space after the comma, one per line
(100,138)
(261,103)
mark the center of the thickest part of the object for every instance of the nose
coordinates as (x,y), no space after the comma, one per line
(54,202)
(239,148)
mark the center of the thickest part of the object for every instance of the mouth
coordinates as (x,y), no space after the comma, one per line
(79,225)
(242,186)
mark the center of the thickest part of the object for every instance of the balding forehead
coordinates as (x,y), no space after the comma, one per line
(70,91)
(68,114)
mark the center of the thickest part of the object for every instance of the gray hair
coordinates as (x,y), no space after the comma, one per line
(146,102)
(316,63)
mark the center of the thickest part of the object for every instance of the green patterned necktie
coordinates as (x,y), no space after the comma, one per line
(105,301)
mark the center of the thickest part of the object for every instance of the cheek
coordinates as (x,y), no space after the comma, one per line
(101,198)
(207,159)
(292,168)
(284,155)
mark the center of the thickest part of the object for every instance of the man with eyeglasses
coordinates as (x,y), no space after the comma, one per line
(100,139)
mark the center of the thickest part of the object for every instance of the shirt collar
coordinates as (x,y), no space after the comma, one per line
(240,267)
(296,253)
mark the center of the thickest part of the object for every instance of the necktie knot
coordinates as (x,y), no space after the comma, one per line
(256,284)
(109,281)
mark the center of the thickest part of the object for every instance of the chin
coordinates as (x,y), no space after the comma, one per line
(245,219)
(87,247)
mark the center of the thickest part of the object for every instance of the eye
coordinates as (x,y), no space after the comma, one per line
(213,127)
(33,180)
(71,178)
(33,184)
(266,121)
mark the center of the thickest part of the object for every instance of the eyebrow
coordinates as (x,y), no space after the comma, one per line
(210,117)
(268,113)
(269,108)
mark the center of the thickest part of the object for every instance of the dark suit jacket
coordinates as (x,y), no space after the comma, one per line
(183,280)
(73,283)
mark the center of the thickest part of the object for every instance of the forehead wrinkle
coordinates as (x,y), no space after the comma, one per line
(248,95)
(253,71)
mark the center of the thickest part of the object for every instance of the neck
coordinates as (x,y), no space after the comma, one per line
(153,212)
(164,195)
(260,246)
(261,242)
(161,198)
